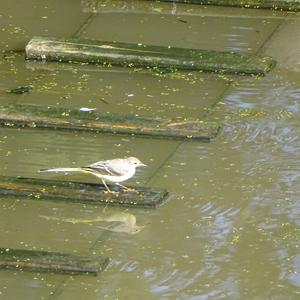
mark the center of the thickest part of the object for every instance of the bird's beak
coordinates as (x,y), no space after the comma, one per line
(142,165)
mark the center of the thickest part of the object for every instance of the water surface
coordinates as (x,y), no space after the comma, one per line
(231,229)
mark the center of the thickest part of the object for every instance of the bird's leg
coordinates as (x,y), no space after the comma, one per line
(106,186)
(126,188)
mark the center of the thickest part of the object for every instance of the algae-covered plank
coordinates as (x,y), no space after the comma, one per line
(139,55)
(287,5)
(44,261)
(60,118)
(92,193)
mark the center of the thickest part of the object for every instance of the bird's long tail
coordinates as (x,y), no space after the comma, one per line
(66,170)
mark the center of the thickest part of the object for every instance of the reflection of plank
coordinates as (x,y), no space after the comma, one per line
(34,188)
(133,55)
(274,4)
(43,261)
(58,118)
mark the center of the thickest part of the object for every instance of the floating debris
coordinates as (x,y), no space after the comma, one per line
(86,109)
(182,21)
(104,101)
(20,90)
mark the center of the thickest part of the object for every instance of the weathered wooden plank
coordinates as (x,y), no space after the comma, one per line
(60,118)
(44,261)
(287,5)
(138,55)
(92,193)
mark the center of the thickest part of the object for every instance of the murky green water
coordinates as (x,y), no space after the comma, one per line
(231,228)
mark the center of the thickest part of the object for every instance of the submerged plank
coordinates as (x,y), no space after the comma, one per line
(60,118)
(92,193)
(139,55)
(287,5)
(44,261)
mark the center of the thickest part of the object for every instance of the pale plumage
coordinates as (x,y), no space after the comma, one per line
(114,170)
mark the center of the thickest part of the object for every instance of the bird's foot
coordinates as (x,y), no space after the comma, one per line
(131,190)
(127,189)
(110,192)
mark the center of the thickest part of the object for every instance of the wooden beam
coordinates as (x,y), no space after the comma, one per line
(44,261)
(287,5)
(139,55)
(92,193)
(60,118)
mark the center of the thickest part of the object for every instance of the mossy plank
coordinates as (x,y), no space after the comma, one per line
(139,55)
(287,5)
(60,118)
(92,193)
(55,262)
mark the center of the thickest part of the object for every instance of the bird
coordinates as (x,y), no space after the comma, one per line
(113,170)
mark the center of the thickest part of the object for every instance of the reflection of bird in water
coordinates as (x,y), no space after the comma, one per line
(119,222)
(114,170)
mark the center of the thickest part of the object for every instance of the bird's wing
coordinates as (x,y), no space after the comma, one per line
(107,167)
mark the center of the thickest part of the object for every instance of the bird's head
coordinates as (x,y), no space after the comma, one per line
(135,162)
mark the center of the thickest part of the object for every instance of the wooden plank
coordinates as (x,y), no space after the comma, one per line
(60,118)
(138,55)
(92,193)
(55,262)
(287,5)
